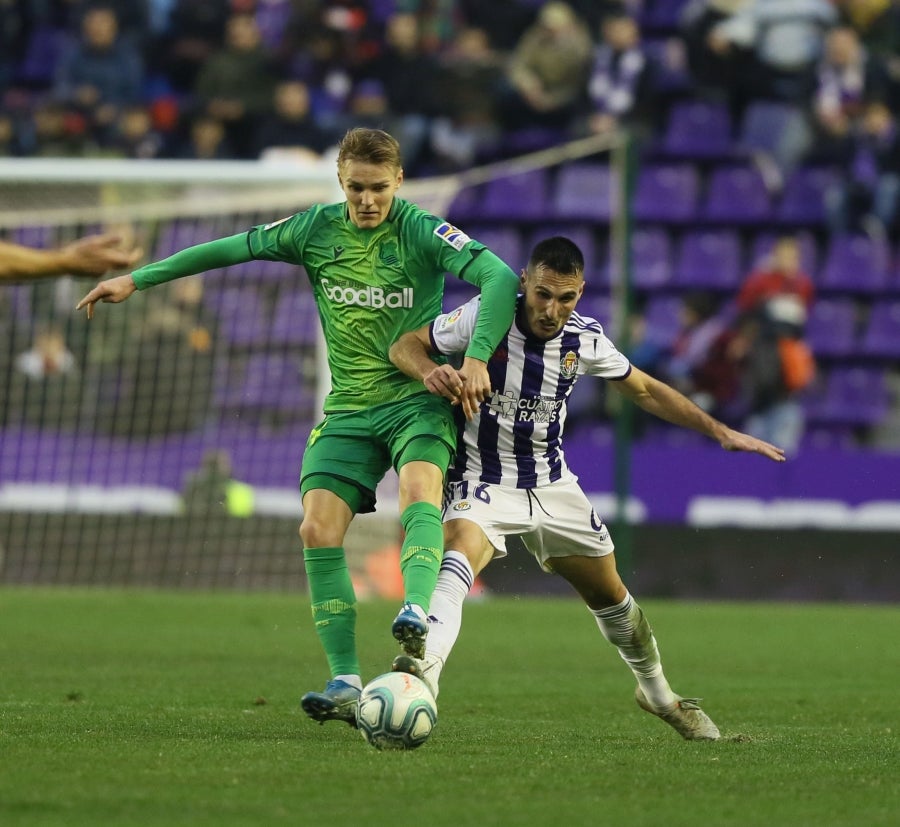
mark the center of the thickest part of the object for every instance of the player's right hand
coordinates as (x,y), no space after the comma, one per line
(112,290)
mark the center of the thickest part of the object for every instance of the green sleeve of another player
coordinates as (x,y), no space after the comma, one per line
(198,259)
(499,286)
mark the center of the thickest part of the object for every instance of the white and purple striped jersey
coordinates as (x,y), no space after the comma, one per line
(516,436)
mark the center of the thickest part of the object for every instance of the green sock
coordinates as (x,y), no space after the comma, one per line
(333,604)
(423,548)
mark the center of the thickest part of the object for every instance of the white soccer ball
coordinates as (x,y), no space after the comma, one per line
(396,711)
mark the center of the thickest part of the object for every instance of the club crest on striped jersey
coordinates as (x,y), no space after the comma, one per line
(568,364)
(455,237)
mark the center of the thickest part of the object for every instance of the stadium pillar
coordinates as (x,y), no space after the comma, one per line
(624,166)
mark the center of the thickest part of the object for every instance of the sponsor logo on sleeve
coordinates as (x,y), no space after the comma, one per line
(456,238)
(451,319)
(279,221)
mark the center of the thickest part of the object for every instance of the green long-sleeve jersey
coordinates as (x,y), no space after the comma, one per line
(370,286)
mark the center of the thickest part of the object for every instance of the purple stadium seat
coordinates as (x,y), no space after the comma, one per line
(272,382)
(504,241)
(181,233)
(524,196)
(666,193)
(737,195)
(651,259)
(698,129)
(823,438)
(849,396)
(16,303)
(465,206)
(651,251)
(663,316)
(295,319)
(260,271)
(831,327)
(243,321)
(596,306)
(855,263)
(803,199)
(709,259)
(662,15)
(582,192)
(532,139)
(40,236)
(45,47)
(774,128)
(271,459)
(882,334)
(457,292)
(670,75)
(273,20)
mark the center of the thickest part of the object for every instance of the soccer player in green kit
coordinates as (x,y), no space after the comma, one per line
(377,265)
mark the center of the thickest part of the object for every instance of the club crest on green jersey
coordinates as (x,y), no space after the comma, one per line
(389,253)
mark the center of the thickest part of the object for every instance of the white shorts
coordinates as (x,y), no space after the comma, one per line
(554,521)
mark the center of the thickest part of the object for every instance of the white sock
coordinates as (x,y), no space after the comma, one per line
(353,680)
(626,628)
(445,619)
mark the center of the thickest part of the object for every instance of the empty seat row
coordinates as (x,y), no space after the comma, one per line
(666,192)
(705,130)
(714,259)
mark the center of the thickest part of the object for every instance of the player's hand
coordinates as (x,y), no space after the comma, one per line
(476,385)
(112,290)
(736,441)
(444,381)
(96,255)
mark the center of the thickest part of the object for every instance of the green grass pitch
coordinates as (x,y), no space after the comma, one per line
(158,708)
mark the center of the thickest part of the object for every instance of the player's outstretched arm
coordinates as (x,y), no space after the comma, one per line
(411,353)
(90,256)
(667,403)
(112,290)
(96,255)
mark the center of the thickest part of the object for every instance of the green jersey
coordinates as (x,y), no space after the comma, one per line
(370,286)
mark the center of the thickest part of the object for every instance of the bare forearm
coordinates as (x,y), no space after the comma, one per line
(411,357)
(665,402)
(17,262)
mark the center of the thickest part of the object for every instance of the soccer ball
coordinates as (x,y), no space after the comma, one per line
(396,711)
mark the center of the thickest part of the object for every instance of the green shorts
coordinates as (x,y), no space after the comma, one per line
(349,453)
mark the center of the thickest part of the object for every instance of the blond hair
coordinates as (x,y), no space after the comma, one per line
(370,146)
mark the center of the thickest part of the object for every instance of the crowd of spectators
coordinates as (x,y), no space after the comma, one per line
(457,81)
(235,78)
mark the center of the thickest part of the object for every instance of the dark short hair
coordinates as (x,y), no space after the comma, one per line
(370,146)
(559,254)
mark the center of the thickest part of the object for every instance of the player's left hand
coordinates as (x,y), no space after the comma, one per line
(476,385)
(737,441)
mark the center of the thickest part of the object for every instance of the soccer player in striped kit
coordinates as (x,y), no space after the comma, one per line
(510,475)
